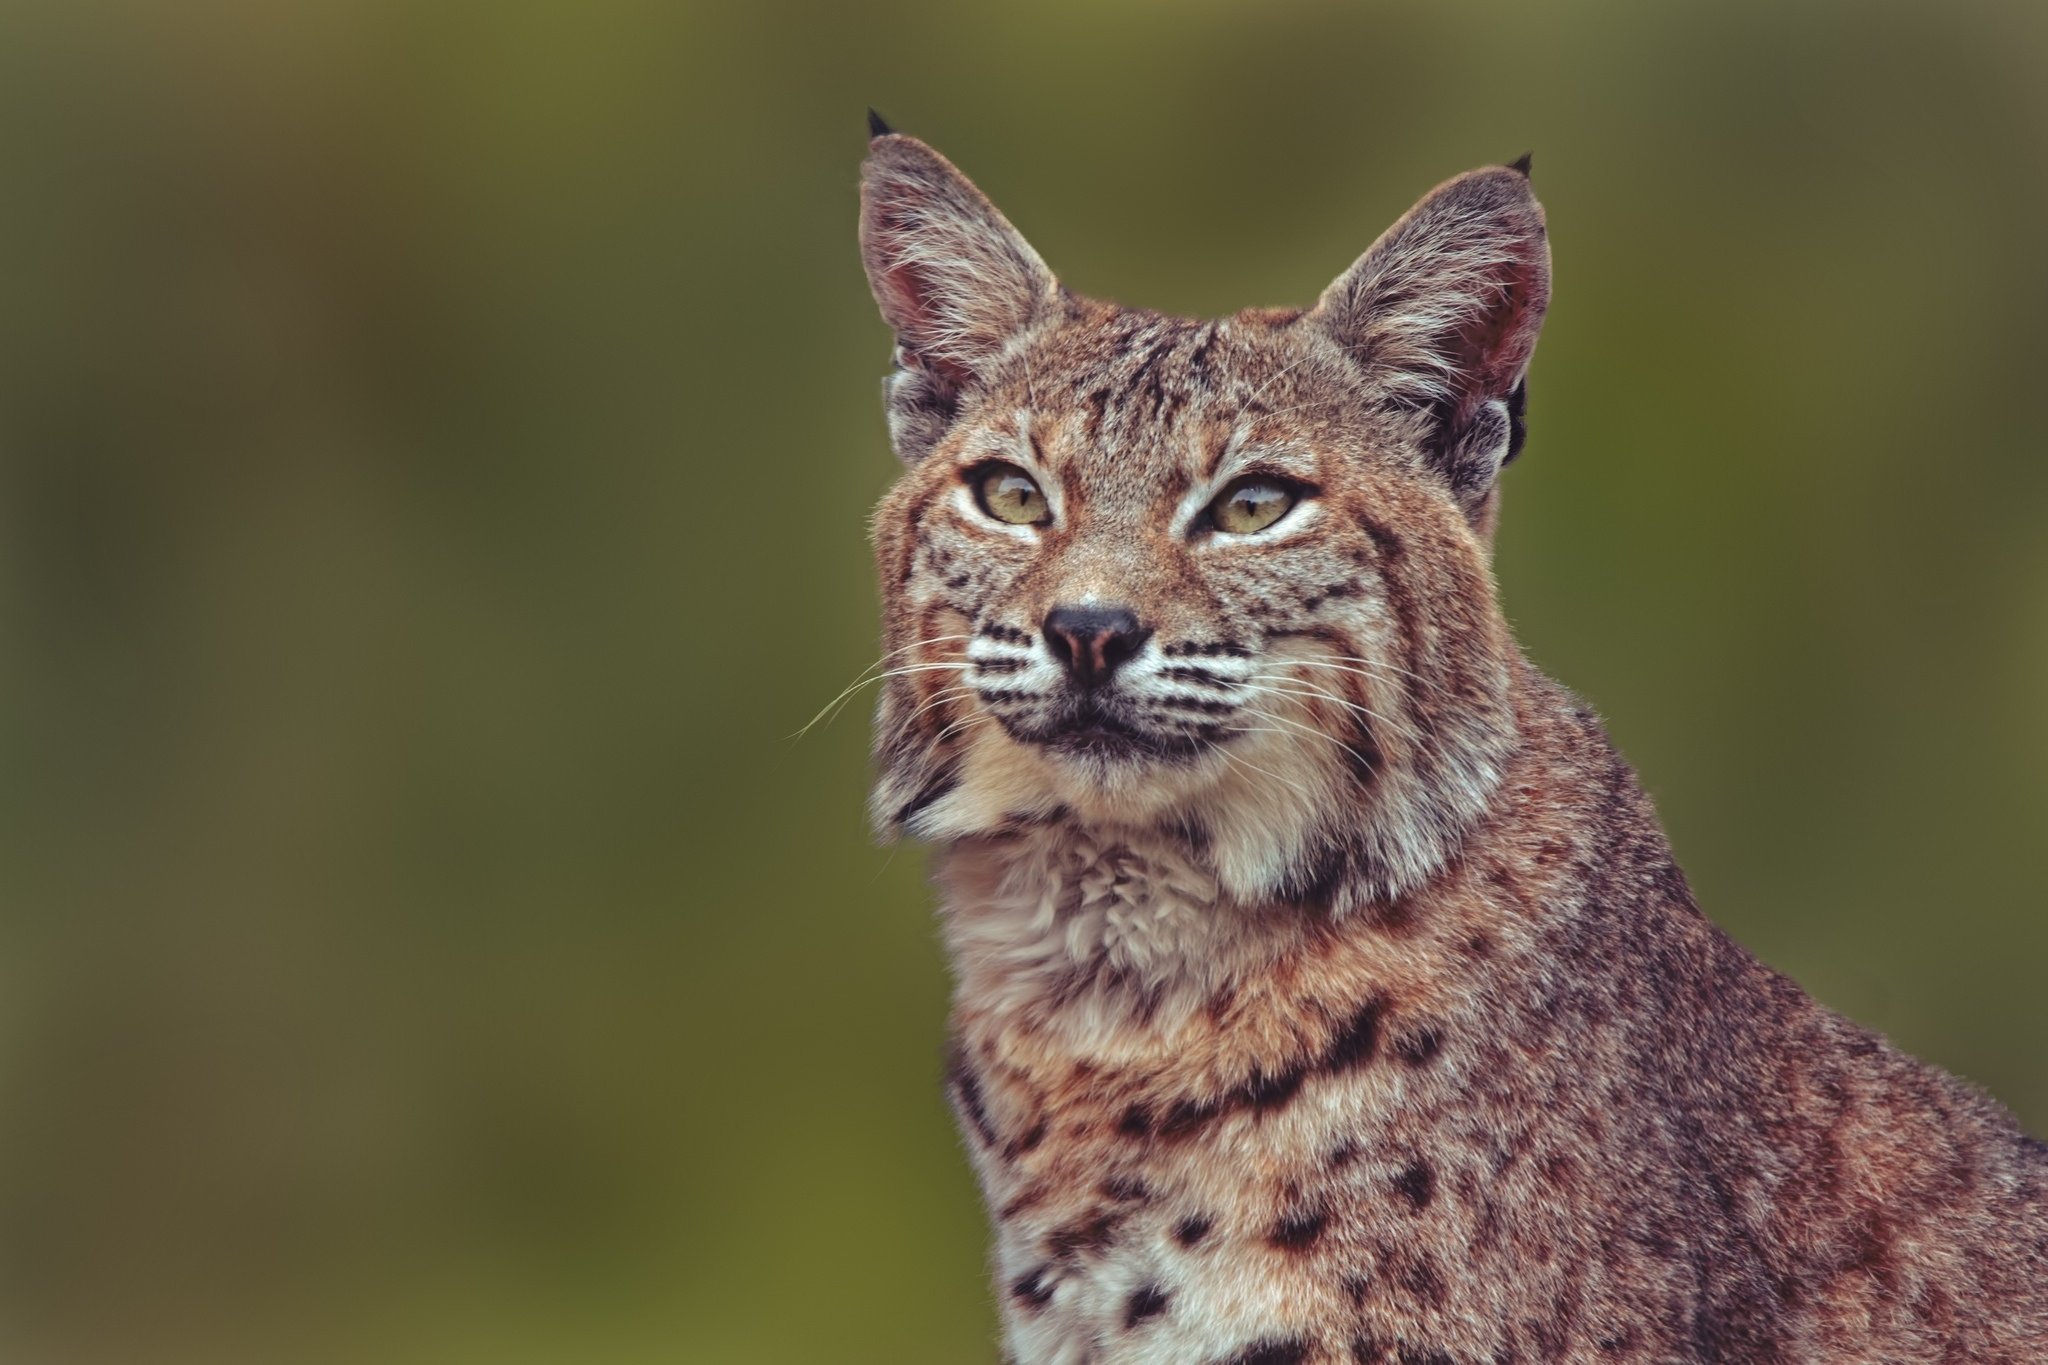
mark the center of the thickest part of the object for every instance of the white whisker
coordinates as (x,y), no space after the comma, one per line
(1312,692)
(1244,762)
(1311,732)
(942,695)
(962,726)
(867,681)
(1337,661)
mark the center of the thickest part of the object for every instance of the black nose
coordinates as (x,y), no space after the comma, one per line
(1092,641)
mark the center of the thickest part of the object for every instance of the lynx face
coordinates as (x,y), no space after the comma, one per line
(1226,578)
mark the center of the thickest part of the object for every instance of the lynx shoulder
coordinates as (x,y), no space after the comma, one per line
(1326,988)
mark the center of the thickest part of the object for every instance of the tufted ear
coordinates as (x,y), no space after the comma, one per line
(954,280)
(1443,312)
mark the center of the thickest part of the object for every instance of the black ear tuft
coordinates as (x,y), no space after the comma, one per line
(877,127)
(1520,163)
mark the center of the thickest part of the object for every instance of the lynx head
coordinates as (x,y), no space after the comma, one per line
(1224,579)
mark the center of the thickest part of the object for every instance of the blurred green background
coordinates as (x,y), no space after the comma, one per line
(435,445)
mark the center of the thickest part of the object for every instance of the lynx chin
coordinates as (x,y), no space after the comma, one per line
(1326,989)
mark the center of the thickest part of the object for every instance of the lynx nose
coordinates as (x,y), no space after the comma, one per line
(1091,641)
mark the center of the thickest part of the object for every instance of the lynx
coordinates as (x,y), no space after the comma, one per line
(1326,991)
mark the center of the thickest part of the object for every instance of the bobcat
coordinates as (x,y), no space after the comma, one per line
(1326,989)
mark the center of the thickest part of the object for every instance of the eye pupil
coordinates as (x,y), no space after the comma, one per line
(1008,494)
(1251,505)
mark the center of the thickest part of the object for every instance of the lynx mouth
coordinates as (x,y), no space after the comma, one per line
(1092,731)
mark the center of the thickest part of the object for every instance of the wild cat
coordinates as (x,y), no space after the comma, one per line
(1326,988)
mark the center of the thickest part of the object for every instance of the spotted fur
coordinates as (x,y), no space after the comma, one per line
(1326,989)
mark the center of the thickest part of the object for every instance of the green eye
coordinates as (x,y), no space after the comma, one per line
(1251,504)
(1007,493)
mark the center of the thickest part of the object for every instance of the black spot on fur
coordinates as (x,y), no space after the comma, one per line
(1028,1198)
(1264,1093)
(1421,1278)
(1186,1116)
(1260,1093)
(1124,1188)
(967,1092)
(1313,882)
(1355,1289)
(1031,1290)
(1148,1302)
(1418,1048)
(1192,1229)
(1027,1140)
(1412,1355)
(1417,1184)
(1091,1234)
(1272,1351)
(1355,1045)
(1299,1230)
(1136,1122)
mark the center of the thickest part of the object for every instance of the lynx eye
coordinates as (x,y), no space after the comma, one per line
(1251,504)
(1007,493)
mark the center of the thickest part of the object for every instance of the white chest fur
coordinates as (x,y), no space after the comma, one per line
(1085,928)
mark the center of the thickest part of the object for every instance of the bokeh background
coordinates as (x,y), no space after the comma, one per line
(435,444)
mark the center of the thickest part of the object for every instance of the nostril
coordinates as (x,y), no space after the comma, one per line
(1059,644)
(1114,649)
(1092,642)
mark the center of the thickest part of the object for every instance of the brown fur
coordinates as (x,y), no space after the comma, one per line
(1344,1002)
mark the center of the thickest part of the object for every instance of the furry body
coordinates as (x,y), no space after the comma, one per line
(1327,991)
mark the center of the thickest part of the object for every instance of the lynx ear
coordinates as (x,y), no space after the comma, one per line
(954,280)
(1443,312)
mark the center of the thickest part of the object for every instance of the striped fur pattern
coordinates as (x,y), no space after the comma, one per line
(1326,989)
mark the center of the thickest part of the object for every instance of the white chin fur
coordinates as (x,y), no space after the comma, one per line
(1258,801)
